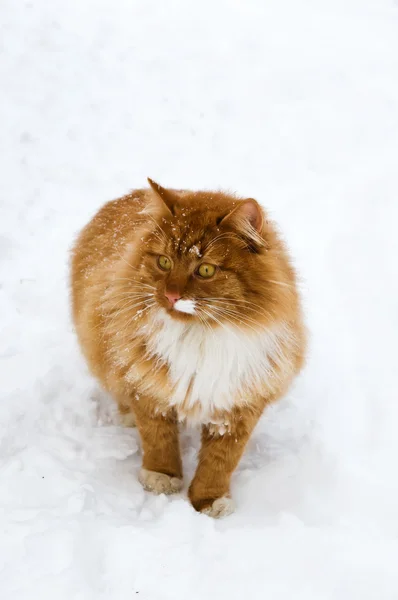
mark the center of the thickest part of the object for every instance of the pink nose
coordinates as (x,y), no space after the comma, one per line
(172,297)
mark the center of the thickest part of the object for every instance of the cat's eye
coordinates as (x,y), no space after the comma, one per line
(206,271)
(164,263)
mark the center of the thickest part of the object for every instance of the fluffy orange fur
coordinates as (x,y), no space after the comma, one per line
(186,308)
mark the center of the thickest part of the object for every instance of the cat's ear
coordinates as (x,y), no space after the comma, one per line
(166,196)
(247,217)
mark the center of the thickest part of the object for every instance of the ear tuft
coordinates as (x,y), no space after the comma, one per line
(166,195)
(251,211)
(247,217)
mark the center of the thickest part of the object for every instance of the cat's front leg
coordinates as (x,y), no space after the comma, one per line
(219,455)
(161,471)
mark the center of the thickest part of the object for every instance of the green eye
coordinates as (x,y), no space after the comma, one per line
(206,271)
(164,263)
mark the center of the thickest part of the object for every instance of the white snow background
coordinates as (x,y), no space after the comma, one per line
(292,102)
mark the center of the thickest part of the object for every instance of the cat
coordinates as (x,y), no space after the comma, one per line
(186,308)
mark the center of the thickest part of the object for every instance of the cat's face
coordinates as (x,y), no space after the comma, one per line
(207,258)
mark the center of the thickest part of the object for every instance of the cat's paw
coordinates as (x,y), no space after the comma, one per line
(159,483)
(222,507)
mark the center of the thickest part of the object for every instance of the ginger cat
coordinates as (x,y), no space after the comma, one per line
(186,309)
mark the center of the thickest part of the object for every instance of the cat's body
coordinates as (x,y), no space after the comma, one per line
(186,309)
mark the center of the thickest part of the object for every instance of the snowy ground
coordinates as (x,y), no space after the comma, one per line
(295,103)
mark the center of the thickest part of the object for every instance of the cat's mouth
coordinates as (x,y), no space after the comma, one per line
(183,308)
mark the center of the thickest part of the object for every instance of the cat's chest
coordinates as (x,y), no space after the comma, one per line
(212,368)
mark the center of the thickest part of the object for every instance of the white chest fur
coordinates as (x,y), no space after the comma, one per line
(214,368)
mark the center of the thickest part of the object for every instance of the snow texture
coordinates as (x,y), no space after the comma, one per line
(293,103)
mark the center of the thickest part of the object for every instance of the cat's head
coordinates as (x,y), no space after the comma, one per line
(212,257)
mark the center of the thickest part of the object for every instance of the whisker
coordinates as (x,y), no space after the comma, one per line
(237,300)
(125,331)
(125,308)
(122,257)
(281,283)
(221,236)
(141,311)
(126,339)
(226,306)
(108,318)
(130,281)
(223,325)
(162,233)
(127,295)
(110,304)
(241,320)
(203,321)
